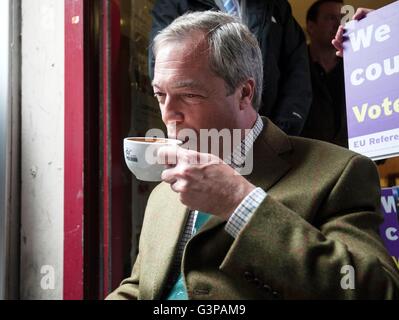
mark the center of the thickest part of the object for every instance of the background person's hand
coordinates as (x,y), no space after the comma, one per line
(361,13)
(340,38)
(203,181)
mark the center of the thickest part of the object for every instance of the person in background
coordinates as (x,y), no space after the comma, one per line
(287,94)
(304,224)
(327,116)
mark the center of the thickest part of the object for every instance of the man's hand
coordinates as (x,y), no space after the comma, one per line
(203,181)
(339,37)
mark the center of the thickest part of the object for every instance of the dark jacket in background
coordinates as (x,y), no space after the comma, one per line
(287,89)
(327,116)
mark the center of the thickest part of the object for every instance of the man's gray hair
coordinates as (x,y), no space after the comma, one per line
(234,53)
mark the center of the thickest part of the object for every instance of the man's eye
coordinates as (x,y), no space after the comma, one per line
(191,96)
(159,96)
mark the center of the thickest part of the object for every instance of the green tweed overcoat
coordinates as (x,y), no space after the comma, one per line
(315,236)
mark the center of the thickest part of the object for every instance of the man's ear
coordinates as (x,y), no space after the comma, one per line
(247,94)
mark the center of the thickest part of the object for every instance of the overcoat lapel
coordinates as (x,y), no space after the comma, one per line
(170,226)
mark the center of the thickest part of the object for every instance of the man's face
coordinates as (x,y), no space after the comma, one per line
(328,20)
(190,95)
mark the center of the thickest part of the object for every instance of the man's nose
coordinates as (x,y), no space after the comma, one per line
(171,111)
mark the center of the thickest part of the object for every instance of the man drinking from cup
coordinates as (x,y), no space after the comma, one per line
(307,211)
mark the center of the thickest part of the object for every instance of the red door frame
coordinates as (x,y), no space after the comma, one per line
(82,244)
(74,150)
(116,178)
(106,135)
(96,186)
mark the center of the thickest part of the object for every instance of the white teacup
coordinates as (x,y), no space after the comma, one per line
(141,156)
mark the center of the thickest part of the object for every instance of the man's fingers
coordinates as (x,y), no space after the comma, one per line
(174,177)
(169,176)
(340,33)
(339,47)
(339,36)
(168,155)
(337,44)
(179,186)
(361,13)
(173,155)
(338,40)
(184,166)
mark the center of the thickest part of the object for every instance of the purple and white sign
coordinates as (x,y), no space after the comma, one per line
(371,61)
(389,230)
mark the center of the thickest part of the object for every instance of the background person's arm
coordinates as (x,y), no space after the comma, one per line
(294,94)
(163,14)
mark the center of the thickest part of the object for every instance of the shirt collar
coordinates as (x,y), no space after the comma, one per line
(240,152)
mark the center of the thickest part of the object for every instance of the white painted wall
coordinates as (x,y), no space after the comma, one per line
(4,138)
(42,135)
